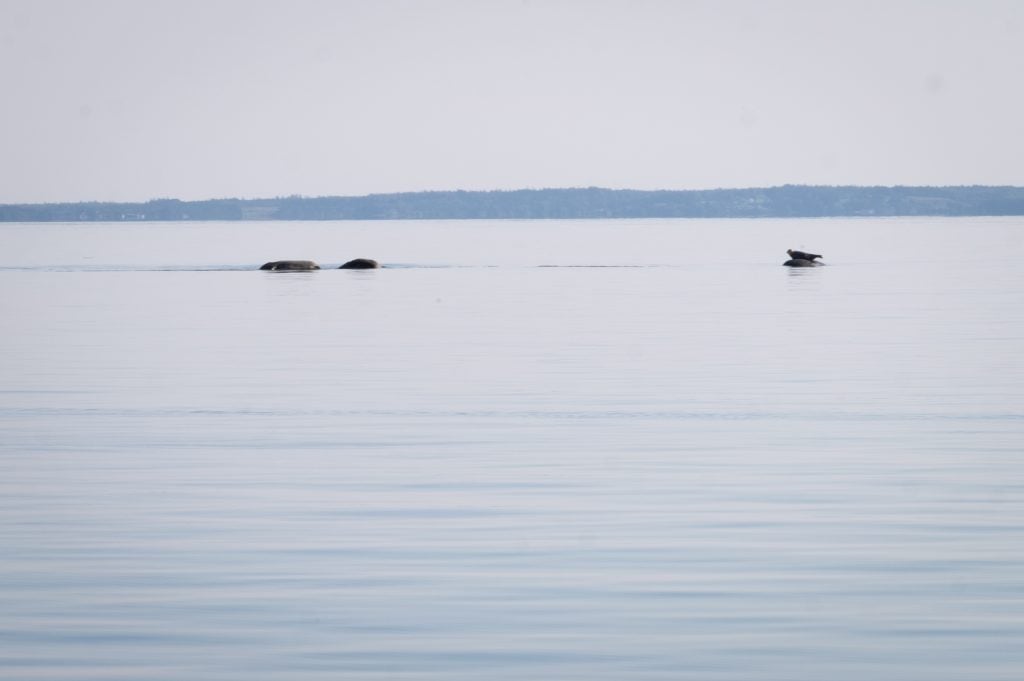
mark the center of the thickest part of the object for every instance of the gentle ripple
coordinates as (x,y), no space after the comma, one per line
(644,463)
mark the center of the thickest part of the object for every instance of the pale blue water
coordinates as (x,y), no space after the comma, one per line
(495,460)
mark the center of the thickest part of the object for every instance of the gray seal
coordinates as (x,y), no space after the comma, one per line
(800,255)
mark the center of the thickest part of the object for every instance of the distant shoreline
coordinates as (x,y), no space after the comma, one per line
(788,201)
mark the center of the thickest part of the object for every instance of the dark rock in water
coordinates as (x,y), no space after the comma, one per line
(290,266)
(801,262)
(360,264)
(800,255)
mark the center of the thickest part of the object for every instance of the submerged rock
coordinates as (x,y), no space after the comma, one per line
(801,262)
(290,266)
(360,264)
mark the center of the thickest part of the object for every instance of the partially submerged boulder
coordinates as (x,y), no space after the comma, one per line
(290,266)
(360,264)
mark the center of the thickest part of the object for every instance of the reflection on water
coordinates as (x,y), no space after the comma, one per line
(492,469)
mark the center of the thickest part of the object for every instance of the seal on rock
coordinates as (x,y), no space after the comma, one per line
(801,259)
(800,255)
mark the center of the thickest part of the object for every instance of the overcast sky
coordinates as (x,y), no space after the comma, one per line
(138,99)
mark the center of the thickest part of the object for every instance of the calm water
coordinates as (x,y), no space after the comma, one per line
(621,450)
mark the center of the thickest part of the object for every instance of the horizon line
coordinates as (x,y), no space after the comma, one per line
(519,189)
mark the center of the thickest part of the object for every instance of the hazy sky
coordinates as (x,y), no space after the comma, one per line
(137,99)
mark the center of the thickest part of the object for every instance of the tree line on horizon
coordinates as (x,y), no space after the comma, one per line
(789,201)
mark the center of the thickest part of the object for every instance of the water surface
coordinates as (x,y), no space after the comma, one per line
(546,450)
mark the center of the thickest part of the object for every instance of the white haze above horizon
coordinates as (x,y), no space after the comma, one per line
(118,100)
